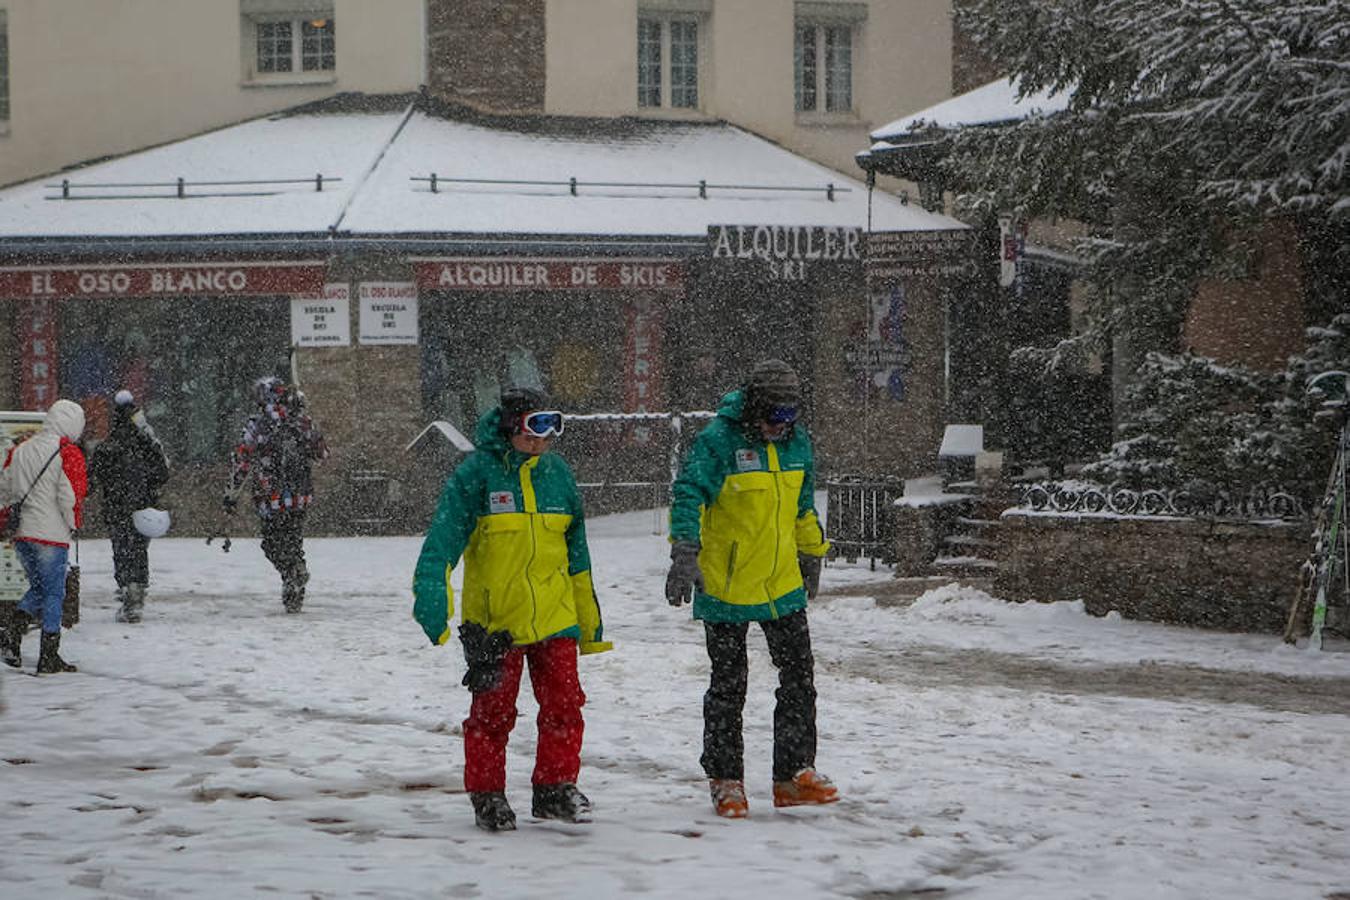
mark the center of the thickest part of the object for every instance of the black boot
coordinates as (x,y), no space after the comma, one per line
(491,812)
(49,660)
(133,600)
(13,624)
(559,801)
(293,588)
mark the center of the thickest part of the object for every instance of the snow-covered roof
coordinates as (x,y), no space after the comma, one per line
(377,156)
(997,101)
(277,148)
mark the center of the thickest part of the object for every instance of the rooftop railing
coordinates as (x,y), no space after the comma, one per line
(575,185)
(179,188)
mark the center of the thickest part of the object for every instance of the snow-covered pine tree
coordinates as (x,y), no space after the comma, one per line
(1190,125)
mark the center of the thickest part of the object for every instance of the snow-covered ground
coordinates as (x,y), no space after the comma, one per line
(224,749)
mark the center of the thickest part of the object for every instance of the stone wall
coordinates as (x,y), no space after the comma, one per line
(488,54)
(1234,576)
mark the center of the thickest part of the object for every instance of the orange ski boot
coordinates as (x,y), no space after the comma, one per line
(728,798)
(807,788)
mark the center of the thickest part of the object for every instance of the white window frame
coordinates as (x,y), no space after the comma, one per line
(297,74)
(822,18)
(5,101)
(665,20)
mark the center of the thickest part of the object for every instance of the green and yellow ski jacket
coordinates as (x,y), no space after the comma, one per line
(517,520)
(750,504)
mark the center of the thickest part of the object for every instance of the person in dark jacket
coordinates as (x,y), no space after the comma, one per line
(276,454)
(128,469)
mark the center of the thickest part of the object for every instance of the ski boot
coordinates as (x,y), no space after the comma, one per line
(559,801)
(807,788)
(728,798)
(49,660)
(133,599)
(293,588)
(491,812)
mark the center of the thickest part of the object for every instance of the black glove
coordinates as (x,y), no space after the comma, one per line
(483,654)
(684,576)
(810,566)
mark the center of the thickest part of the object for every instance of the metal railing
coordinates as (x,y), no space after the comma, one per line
(574,185)
(859,516)
(178,188)
(621,462)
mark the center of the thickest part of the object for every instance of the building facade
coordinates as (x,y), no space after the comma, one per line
(80,81)
(77,83)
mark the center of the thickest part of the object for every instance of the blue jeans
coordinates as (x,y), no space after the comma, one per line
(45,566)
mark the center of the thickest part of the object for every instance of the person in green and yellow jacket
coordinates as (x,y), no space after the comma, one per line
(747,547)
(513,511)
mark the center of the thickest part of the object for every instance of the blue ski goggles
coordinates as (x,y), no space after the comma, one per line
(781,415)
(542,424)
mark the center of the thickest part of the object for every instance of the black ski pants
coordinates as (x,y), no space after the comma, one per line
(283,536)
(794,715)
(131,553)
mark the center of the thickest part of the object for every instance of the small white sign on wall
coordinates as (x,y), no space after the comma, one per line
(323,321)
(388,312)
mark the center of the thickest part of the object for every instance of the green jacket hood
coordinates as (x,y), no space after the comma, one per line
(732,405)
(489,433)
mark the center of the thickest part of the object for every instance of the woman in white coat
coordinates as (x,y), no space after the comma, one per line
(49,468)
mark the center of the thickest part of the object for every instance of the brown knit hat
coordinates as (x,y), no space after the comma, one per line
(772,383)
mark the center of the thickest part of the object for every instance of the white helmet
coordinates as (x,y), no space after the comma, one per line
(151,522)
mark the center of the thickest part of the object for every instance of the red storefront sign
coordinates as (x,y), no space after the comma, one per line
(489,274)
(162,280)
(643,390)
(36,326)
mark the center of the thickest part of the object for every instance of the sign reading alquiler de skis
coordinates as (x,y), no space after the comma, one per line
(493,274)
(162,280)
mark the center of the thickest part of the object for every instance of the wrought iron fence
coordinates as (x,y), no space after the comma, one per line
(1261,502)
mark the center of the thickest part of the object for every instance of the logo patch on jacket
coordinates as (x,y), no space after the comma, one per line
(501,502)
(747,461)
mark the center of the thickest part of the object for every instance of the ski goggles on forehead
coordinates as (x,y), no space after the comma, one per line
(544,423)
(781,415)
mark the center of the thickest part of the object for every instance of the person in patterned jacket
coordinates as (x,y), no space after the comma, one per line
(276,454)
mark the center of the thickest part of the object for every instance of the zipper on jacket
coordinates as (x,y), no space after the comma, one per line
(531,509)
(775,472)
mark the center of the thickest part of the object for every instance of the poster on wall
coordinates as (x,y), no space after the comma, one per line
(14,426)
(643,391)
(388,312)
(323,321)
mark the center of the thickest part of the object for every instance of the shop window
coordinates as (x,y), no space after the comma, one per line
(824,57)
(190,362)
(4,71)
(283,44)
(668,61)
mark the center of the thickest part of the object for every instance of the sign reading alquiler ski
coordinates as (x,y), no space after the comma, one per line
(787,250)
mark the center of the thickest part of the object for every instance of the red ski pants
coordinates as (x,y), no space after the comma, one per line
(492,715)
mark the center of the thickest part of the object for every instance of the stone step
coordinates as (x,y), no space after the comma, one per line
(967,540)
